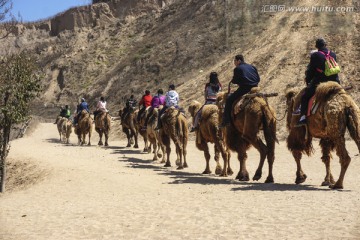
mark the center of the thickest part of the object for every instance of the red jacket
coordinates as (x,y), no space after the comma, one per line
(146,100)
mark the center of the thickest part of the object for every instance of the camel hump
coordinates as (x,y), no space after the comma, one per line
(327,89)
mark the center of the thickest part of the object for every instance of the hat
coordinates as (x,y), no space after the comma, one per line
(320,43)
(83,99)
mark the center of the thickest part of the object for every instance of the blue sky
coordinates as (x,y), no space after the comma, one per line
(33,10)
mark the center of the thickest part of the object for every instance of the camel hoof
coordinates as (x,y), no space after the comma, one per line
(326,183)
(100,143)
(218,171)
(128,145)
(257,175)
(167,165)
(244,179)
(224,174)
(136,146)
(185,165)
(230,172)
(180,167)
(89,144)
(269,179)
(159,155)
(336,186)
(106,144)
(206,172)
(300,179)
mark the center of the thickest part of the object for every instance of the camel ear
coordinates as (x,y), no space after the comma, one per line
(290,94)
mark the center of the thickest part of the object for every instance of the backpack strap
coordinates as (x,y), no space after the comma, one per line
(326,55)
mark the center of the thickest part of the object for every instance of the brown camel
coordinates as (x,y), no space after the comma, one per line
(139,126)
(103,126)
(64,127)
(334,111)
(154,136)
(84,127)
(250,116)
(128,121)
(174,127)
(209,132)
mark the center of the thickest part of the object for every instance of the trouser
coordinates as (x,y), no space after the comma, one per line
(160,114)
(140,113)
(309,92)
(242,90)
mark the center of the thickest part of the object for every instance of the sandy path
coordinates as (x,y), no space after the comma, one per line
(118,193)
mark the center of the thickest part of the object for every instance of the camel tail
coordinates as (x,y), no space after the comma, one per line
(269,125)
(353,122)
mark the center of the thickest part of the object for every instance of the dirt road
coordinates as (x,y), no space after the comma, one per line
(119,193)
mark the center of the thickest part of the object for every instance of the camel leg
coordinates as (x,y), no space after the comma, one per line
(344,161)
(243,174)
(184,152)
(100,136)
(89,143)
(205,148)
(179,151)
(218,169)
(261,147)
(168,151)
(136,139)
(326,147)
(163,151)
(300,175)
(219,148)
(155,146)
(106,133)
(270,145)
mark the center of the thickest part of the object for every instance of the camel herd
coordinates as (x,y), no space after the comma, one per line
(253,124)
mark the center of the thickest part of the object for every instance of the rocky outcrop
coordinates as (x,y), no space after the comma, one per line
(86,16)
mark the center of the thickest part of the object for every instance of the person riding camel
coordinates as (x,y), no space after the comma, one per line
(64,112)
(157,101)
(144,103)
(171,100)
(315,74)
(82,106)
(247,77)
(211,89)
(100,107)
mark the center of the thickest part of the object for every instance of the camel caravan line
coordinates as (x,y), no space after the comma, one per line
(252,118)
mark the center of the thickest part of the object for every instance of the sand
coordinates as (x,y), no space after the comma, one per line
(120,193)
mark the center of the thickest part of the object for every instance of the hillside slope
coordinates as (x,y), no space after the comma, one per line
(118,48)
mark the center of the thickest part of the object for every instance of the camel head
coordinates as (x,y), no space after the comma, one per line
(194,108)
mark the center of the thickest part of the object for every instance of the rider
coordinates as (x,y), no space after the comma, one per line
(100,107)
(247,77)
(82,106)
(171,99)
(211,89)
(144,102)
(156,102)
(64,112)
(315,75)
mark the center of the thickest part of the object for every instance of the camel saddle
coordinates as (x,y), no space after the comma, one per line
(243,101)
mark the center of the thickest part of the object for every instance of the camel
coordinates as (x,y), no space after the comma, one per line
(209,132)
(250,116)
(103,126)
(335,112)
(64,127)
(84,127)
(128,121)
(174,127)
(154,136)
(139,126)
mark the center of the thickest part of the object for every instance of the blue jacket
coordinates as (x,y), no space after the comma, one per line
(246,75)
(83,106)
(317,61)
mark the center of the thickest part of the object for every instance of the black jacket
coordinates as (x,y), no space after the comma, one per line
(317,61)
(245,75)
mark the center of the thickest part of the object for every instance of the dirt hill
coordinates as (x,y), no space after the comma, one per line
(116,48)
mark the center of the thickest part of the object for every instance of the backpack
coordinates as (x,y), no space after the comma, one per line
(331,66)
